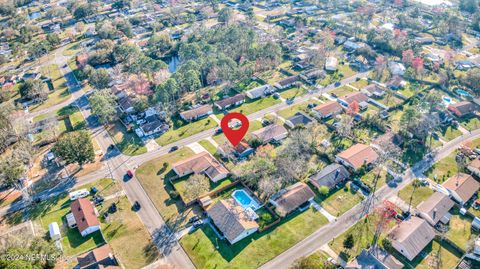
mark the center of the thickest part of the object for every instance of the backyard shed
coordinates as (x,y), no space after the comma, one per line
(54,231)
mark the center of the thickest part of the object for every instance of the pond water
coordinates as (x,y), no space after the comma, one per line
(173,63)
(34,15)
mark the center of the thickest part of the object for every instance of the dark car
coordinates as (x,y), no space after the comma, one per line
(194,219)
(93,190)
(130,173)
(197,224)
(265,122)
(37,200)
(337,84)
(112,208)
(172,149)
(218,131)
(136,206)
(312,105)
(98,199)
(112,146)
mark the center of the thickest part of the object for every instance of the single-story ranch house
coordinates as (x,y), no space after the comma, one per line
(232,220)
(357,156)
(330,176)
(201,163)
(196,113)
(410,237)
(273,132)
(291,198)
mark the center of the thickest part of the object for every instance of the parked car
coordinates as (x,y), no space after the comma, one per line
(112,208)
(129,173)
(276,95)
(218,131)
(311,105)
(193,219)
(174,148)
(78,194)
(98,199)
(93,190)
(289,101)
(197,224)
(112,146)
(265,122)
(337,84)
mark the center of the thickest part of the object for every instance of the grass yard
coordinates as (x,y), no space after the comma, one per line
(341,200)
(470,123)
(178,133)
(346,70)
(72,49)
(55,209)
(208,146)
(60,93)
(252,106)
(254,250)
(460,230)
(180,186)
(152,176)
(293,92)
(421,194)
(370,177)
(341,91)
(390,101)
(363,232)
(127,236)
(318,259)
(293,109)
(450,133)
(362,83)
(272,76)
(127,142)
(443,169)
(435,255)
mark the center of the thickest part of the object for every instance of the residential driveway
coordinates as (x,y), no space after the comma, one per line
(196,148)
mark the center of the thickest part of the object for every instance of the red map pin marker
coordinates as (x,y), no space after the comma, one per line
(234,136)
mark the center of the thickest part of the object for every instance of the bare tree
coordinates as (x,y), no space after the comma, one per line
(196,186)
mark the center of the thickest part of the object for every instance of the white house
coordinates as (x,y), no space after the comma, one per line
(259,92)
(461,187)
(331,64)
(85,216)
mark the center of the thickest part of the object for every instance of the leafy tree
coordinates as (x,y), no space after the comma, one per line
(225,15)
(124,26)
(140,102)
(323,190)
(27,246)
(125,53)
(103,105)
(472,80)
(313,262)
(34,89)
(83,10)
(470,6)
(196,186)
(53,39)
(11,170)
(158,45)
(75,147)
(100,78)
(349,241)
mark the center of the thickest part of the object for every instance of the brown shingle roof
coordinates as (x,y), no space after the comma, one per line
(327,108)
(358,155)
(462,184)
(292,197)
(462,108)
(196,112)
(230,218)
(101,257)
(200,163)
(354,96)
(269,133)
(230,100)
(413,235)
(84,214)
(435,207)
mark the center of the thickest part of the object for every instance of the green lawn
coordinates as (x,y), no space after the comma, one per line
(369,178)
(254,250)
(346,70)
(443,169)
(127,236)
(127,142)
(60,93)
(208,146)
(341,200)
(460,230)
(470,123)
(252,106)
(293,92)
(72,49)
(421,194)
(360,84)
(55,209)
(293,109)
(152,177)
(434,251)
(341,91)
(450,133)
(178,133)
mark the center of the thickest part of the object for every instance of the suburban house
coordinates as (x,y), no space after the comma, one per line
(462,109)
(101,257)
(201,163)
(299,119)
(196,113)
(328,109)
(376,258)
(461,187)
(153,125)
(232,220)
(396,68)
(242,150)
(474,167)
(125,105)
(85,216)
(311,75)
(331,64)
(373,90)
(273,132)
(410,237)
(435,209)
(396,83)
(357,156)
(289,199)
(287,82)
(259,92)
(330,176)
(358,97)
(229,102)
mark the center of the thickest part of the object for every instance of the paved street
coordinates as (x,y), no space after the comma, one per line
(323,235)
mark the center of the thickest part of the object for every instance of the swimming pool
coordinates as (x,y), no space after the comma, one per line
(245,200)
(447,100)
(463,93)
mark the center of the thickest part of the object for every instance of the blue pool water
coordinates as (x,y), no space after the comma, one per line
(245,200)
(463,93)
(34,15)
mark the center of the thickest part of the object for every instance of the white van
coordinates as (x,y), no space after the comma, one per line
(78,194)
